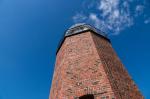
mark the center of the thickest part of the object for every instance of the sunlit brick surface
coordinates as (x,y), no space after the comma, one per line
(87,64)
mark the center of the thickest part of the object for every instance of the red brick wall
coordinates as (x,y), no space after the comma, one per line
(87,64)
(122,84)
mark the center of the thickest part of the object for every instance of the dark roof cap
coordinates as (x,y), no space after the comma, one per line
(81,27)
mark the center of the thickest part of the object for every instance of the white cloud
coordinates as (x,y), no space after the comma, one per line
(139,10)
(147,21)
(107,6)
(116,18)
(111,16)
(79,17)
(95,19)
(116,13)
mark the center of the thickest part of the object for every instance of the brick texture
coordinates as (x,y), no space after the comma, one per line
(87,64)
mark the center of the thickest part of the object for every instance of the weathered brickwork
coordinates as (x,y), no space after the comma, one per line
(87,64)
(122,84)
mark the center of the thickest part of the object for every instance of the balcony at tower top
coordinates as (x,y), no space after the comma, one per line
(82,27)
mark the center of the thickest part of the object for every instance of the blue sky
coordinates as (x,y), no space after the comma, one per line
(30,31)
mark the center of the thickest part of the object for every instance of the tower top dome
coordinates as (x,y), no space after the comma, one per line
(82,27)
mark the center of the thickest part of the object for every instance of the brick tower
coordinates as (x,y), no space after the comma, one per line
(87,67)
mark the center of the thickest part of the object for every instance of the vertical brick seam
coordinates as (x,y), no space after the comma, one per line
(133,92)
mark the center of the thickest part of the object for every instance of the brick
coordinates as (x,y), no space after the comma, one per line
(87,64)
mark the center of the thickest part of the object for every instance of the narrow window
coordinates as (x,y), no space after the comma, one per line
(89,96)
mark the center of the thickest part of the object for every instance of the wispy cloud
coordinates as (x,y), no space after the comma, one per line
(111,16)
(147,21)
(93,17)
(139,10)
(79,17)
(116,18)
